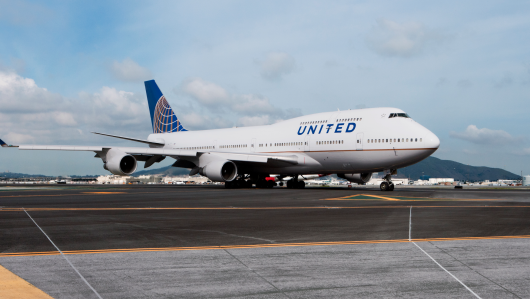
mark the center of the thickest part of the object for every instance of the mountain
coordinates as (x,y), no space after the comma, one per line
(16,175)
(20,175)
(433,167)
(437,168)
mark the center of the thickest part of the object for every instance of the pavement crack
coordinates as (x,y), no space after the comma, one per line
(470,268)
(257,274)
(228,234)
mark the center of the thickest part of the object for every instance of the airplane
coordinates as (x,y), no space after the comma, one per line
(352,144)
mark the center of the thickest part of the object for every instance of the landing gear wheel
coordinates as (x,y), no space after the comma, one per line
(384,186)
(228,185)
(270,184)
(391,187)
(281,184)
(301,185)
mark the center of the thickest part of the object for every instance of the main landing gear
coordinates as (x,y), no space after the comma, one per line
(387,184)
(294,183)
(247,181)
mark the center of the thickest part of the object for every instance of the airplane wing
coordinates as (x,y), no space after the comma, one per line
(185,158)
(174,153)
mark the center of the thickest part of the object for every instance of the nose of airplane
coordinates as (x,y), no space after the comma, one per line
(433,141)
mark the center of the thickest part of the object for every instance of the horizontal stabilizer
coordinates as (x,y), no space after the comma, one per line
(3,144)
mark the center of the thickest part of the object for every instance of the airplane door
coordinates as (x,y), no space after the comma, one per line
(360,141)
(307,142)
(253,145)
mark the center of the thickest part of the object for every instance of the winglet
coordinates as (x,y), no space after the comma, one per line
(3,144)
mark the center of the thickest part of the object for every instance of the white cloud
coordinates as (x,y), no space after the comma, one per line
(486,136)
(29,113)
(249,109)
(129,70)
(206,93)
(276,64)
(253,104)
(18,94)
(247,121)
(64,118)
(406,39)
(16,138)
(201,121)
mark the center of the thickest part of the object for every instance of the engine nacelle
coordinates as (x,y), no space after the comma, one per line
(220,171)
(359,178)
(119,163)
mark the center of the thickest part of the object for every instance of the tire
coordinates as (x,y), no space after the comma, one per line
(301,185)
(391,187)
(384,186)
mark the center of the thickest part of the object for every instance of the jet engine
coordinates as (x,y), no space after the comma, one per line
(359,178)
(119,163)
(220,171)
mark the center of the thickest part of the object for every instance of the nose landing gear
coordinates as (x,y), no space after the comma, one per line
(387,184)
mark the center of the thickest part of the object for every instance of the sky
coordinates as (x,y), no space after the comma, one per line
(461,69)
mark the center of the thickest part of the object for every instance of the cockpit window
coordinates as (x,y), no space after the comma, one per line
(392,115)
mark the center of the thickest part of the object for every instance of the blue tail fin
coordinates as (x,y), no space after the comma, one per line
(162,116)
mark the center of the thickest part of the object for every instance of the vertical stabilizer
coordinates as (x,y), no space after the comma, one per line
(162,117)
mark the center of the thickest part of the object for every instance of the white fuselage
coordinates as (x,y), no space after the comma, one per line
(353,141)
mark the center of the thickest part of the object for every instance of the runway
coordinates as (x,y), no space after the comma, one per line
(211,242)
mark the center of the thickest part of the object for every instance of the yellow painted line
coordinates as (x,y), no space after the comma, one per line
(14,287)
(271,245)
(247,208)
(397,198)
(377,196)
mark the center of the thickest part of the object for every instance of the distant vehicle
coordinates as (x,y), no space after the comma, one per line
(352,143)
